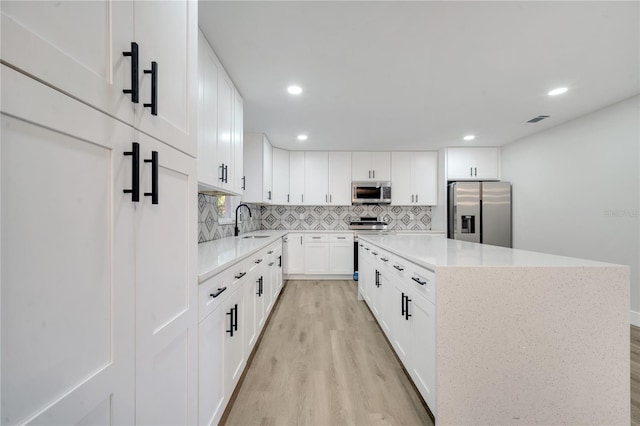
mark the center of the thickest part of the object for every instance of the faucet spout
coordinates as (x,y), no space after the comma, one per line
(236,229)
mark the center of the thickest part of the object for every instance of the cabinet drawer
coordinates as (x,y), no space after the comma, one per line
(341,238)
(423,281)
(316,238)
(384,259)
(213,292)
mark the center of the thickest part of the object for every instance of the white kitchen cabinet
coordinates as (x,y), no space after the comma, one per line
(211,371)
(316,257)
(254,310)
(340,178)
(294,253)
(296,177)
(475,163)
(280,176)
(68,259)
(316,178)
(371,166)
(258,169)
(341,254)
(234,355)
(401,322)
(423,353)
(414,176)
(238,143)
(225,103)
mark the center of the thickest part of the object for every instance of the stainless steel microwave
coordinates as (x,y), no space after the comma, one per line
(364,192)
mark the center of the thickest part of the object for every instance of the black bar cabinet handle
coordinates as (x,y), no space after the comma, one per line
(272,263)
(406,312)
(259,281)
(226,173)
(230,330)
(135,172)
(154,88)
(240,275)
(384,259)
(375,253)
(244,183)
(270,252)
(221,167)
(416,279)
(258,261)
(261,285)
(235,316)
(154,177)
(280,261)
(399,268)
(135,90)
(403,312)
(218,293)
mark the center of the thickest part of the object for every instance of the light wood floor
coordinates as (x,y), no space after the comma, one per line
(323,360)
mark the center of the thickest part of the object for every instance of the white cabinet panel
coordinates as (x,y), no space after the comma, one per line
(340,178)
(267,170)
(258,169)
(294,256)
(415,178)
(280,176)
(209,171)
(238,140)
(211,367)
(481,163)
(423,354)
(296,177)
(381,165)
(316,178)
(361,166)
(316,258)
(234,356)
(225,127)
(67,283)
(341,258)
(402,178)
(401,326)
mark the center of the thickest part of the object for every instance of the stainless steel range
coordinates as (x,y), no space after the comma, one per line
(368,225)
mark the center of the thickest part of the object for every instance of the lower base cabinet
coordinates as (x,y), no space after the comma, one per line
(211,367)
(423,354)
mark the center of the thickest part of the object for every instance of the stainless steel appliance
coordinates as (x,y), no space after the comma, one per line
(364,224)
(480,212)
(363,192)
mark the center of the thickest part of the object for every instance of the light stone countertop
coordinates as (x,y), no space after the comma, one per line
(433,251)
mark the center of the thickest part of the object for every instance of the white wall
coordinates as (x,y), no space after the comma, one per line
(576,189)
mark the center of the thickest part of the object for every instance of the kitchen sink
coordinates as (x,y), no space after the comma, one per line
(256,236)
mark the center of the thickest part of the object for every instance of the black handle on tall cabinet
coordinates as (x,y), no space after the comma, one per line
(235,316)
(244,182)
(226,173)
(154,177)
(135,172)
(280,261)
(406,310)
(259,281)
(154,88)
(134,91)
(403,311)
(230,330)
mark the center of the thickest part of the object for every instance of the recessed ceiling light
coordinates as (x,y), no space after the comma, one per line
(302,137)
(294,90)
(469,137)
(558,91)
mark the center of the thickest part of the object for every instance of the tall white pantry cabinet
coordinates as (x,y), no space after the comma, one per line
(98,212)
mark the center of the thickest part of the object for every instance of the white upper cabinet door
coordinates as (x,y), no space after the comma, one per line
(167,35)
(401,179)
(225,127)
(67,259)
(296,177)
(166,287)
(381,165)
(480,163)
(340,178)
(209,171)
(267,170)
(361,166)
(425,178)
(74,46)
(238,138)
(316,178)
(280,176)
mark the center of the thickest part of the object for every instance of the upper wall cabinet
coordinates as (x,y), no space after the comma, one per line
(340,178)
(220,138)
(316,178)
(119,44)
(258,166)
(296,177)
(371,166)
(473,163)
(414,177)
(280,176)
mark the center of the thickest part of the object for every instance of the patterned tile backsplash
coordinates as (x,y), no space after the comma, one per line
(307,218)
(208,227)
(338,217)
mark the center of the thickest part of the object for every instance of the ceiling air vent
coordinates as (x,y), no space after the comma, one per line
(538,118)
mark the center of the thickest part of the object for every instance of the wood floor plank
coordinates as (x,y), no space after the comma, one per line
(635,376)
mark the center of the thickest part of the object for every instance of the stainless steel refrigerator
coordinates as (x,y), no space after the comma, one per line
(480,212)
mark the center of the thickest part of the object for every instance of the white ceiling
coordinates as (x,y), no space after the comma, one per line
(421,75)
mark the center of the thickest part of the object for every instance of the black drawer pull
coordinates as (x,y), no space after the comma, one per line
(135,172)
(280,261)
(154,88)
(384,259)
(270,252)
(367,248)
(154,177)
(240,275)
(375,253)
(134,91)
(399,268)
(416,279)
(360,245)
(258,261)
(316,238)
(218,293)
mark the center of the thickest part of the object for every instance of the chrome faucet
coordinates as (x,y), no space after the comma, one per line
(237,230)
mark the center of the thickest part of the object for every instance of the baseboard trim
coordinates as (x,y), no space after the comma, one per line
(635,318)
(303,277)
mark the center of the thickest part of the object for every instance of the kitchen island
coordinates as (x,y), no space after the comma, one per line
(492,335)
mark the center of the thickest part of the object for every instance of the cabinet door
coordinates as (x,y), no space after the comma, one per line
(267,170)
(74,46)
(316,178)
(280,176)
(294,261)
(238,143)
(225,127)
(234,356)
(209,165)
(270,288)
(252,158)
(361,166)
(387,306)
(473,163)
(423,351)
(459,163)
(211,391)
(67,259)
(425,178)
(316,258)
(167,33)
(381,165)
(251,303)
(401,179)
(486,162)
(340,178)
(341,259)
(261,306)
(400,324)
(296,177)
(166,288)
